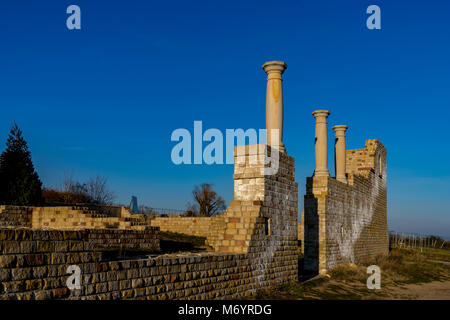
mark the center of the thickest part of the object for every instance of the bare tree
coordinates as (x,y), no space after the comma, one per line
(95,191)
(73,191)
(98,191)
(68,181)
(207,202)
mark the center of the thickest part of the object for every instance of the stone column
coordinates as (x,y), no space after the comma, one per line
(321,144)
(339,152)
(274,100)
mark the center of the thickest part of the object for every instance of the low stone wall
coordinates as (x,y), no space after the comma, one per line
(194,226)
(147,239)
(255,244)
(15,216)
(67,218)
(70,218)
(33,265)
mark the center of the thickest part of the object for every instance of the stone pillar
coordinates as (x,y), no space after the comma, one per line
(339,152)
(321,144)
(274,100)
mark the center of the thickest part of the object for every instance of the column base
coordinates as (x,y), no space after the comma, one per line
(321,173)
(280,147)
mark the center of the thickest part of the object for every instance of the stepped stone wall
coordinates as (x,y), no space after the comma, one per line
(262,204)
(15,216)
(70,218)
(347,222)
(255,241)
(194,226)
(36,268)
(255,244)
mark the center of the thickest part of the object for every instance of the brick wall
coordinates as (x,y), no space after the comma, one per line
(261,221)
(301,233)
(195,226)
(255,241)
(33,263)
(261,202)
(70,218)
(15,216)
(347,222)
(35,268)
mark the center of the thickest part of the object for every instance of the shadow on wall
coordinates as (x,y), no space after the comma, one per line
(311,245)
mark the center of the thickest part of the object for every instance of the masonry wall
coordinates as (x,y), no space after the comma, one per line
(194,226)
(301,233)
(262,200)
(70,218)
(255,244)
(347,222)
(15,216)
(36,268)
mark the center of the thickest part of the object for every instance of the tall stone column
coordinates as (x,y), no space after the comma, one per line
(339,152)
(321,144)
(274,100)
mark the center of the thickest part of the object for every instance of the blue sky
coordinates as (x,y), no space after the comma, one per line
(105,99)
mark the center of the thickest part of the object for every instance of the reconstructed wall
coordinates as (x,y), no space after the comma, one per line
(301,233)
(36,268)
(195,226)
(260,201)
(15,216)
(347,222)
(255,241)
(69,218)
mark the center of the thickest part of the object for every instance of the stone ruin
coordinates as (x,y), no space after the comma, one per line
(254,243)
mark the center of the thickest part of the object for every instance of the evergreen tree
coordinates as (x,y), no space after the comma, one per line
(19,182)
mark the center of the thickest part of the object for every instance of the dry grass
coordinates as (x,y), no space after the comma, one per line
(402,268)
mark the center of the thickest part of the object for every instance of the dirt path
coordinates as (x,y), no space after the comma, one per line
(443,262)
(435,290)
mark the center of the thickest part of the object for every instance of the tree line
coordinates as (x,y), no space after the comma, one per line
(20,184)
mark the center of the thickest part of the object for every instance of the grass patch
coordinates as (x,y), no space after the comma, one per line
(411,266)
(402,267)
(173,242)
(112,254)
(436,254)
(170,242)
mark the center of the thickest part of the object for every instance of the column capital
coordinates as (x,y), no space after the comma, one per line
(341,128)
(274,67)
(321,114)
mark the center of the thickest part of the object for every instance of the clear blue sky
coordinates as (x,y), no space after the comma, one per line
(105,99)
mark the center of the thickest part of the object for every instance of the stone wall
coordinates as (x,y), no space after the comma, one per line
(255,244)
(194,226)
(70,218)
(35,268)
(15,216)
(263,215)
(347,222)
(301,233)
